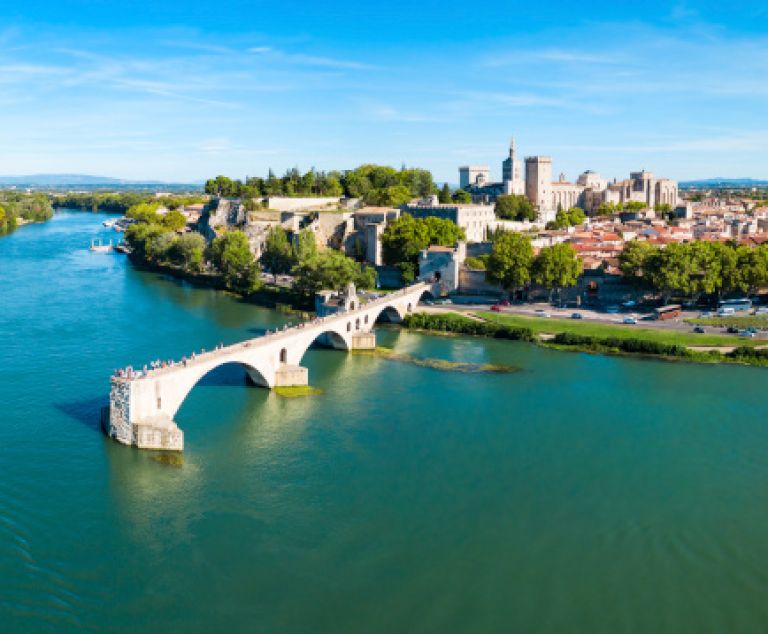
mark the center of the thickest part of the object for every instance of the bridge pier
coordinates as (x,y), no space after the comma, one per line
(157,431)
(291,376)
(364,340)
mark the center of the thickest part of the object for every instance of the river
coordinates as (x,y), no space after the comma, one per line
(581,494)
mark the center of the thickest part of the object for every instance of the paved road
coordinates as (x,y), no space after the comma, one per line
(529,310)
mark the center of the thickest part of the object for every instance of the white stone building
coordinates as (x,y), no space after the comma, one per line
(548,195)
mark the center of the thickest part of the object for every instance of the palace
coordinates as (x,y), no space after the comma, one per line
(548,195)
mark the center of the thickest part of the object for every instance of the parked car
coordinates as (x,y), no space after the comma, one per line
(763,310)
(612,310)
(496,308)
(699,329)
(443,301)
(746,333)
(576,316)
(629,303)
(732,330)
(630,320)
(540,312)
(705,314)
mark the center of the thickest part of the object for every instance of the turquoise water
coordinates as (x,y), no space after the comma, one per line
(581,494)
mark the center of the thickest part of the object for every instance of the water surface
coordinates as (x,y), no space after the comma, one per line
(581,494)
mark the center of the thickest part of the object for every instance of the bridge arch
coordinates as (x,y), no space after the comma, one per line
(175,392)
(331,338)
(391,313)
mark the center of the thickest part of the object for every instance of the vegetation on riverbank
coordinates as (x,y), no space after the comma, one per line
(599,338)
(160,242)
(459,324)
(120,202)
(20,208)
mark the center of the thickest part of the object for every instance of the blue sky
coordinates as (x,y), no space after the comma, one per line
(184,91)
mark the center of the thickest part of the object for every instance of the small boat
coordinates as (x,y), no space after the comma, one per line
(101,248)
(109,223)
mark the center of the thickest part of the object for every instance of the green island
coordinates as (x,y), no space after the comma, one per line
(294,391)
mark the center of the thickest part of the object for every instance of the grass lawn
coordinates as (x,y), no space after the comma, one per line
(737,321)
(593,329)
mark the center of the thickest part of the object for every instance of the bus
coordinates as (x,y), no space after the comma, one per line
(728,306)
(668,312)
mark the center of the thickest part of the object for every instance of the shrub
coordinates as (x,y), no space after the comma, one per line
(632,346)
(463,325)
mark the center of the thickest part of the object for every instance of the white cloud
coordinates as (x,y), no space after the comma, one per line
(308,60)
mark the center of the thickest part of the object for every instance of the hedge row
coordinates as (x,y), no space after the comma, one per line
(463,325)
(745,353)
(634,346)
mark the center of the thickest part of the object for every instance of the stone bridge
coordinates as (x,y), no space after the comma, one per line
(142,409)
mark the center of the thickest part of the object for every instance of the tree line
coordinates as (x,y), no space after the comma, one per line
(29,207)
(120,202)
(696,268)
(378,185)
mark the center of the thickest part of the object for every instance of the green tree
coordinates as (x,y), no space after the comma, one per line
(707,260)
(139,236)
(556,267)
(633,261)
(634,205)
(232,256)
(444,197)
(7,221)
(277,255)
(144,212)
(606,209)
(512,207)
(570,218)
(158,246)
(509,264)
(404,238)
(478,263)
(670,270)
(751,269)
(305,246)
(331,269)
(174,220)
(462,197)
(187,251)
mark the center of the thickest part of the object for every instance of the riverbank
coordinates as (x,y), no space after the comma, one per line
(268,296)
(595,338)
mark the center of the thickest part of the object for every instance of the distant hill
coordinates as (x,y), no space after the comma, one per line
(725,182)
(58,180)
